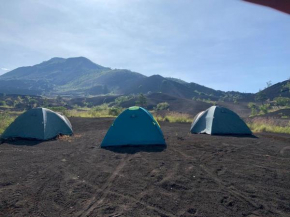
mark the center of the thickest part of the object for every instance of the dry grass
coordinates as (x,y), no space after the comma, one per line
(88,114)
(174,117)
(5,120)
(272,125)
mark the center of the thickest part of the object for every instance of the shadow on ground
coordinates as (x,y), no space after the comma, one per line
(21,142)
(135,149)
(238,136)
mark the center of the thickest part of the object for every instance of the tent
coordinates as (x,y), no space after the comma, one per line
(40,124)
(281,5)
(219,120)
(134,126)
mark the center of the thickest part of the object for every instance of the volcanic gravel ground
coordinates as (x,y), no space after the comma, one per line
(196,175)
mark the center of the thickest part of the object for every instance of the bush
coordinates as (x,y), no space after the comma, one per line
(60,109)
(2,103)
(101,107)
(282,101)
(264,108)
(254,108)
(162,106)
(115,111)
(142,101)
(122,99)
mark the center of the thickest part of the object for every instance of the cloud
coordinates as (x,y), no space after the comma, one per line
(5,69)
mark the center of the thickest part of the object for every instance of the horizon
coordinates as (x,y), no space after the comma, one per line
(221,45)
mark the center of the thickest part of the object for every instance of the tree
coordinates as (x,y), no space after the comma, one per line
(261,97)
(269,84)
(254,108)
(59,99)
(142,100)
(162,106)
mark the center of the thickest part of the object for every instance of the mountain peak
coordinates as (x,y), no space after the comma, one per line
(56,58)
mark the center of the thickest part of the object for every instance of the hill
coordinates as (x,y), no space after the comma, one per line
(72,76)
(78,77)
(281,89)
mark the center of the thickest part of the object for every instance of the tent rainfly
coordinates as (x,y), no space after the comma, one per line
(219,120)
(39,124)
(135,126)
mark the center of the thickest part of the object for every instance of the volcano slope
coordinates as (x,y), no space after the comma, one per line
(196,175)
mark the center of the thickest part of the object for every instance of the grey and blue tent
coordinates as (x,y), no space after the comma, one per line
(219,120)
(40,124)
(135,126)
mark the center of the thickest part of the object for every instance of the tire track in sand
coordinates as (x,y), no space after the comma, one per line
(94,202)
(230,189)
(282,151)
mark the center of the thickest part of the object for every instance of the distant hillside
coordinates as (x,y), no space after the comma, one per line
(279,89)
(78,77)
(72,76)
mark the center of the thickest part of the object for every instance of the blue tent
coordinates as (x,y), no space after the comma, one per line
(40,124)
(135,126)
(219,120)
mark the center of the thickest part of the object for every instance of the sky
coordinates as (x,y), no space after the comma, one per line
(226,44)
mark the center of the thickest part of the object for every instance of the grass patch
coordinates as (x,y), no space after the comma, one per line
(173,117)
(88,114)
(271,125)
(5,121)
(102,111)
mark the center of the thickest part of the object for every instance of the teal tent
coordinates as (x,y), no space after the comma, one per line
(40,124)
(219,120)
(135,126)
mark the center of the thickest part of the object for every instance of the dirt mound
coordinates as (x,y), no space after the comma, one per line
(196,175)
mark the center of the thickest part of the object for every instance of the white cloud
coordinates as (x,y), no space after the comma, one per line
(5,69)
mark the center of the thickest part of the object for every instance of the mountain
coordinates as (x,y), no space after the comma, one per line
(79,76)
(66,76)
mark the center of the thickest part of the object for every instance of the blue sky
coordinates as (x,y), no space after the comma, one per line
(225,44)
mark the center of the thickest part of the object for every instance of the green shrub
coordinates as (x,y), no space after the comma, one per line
(264,109)
(115,111)
(102,107)
(60,109)
(142,101)
(162,106)
(282,101)
(2,103)
(254,108)
(122,99)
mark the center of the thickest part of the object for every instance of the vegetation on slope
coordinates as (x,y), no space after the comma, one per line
(5,120)
(272,125)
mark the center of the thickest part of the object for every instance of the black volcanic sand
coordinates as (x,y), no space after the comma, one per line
(196,175)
